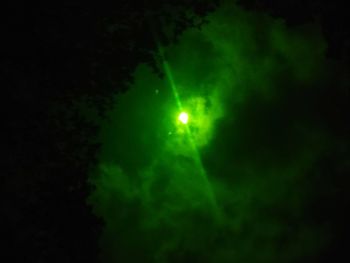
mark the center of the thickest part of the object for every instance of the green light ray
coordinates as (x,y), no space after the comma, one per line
(172,83)
(196,155)
(203,176)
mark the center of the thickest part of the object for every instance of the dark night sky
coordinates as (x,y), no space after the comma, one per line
(57,60)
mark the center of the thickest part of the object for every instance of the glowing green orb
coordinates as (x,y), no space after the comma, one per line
(183,117)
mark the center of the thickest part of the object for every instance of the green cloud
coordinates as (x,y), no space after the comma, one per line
(230,185)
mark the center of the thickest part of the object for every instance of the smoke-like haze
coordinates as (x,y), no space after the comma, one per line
(234,185)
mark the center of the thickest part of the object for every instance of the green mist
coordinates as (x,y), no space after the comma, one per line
(230,184)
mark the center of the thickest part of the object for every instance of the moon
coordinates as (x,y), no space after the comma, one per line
(183,117)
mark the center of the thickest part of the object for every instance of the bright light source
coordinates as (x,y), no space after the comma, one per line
(183,117)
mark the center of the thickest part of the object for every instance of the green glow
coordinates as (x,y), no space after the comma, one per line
(212,166)
(183,117)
